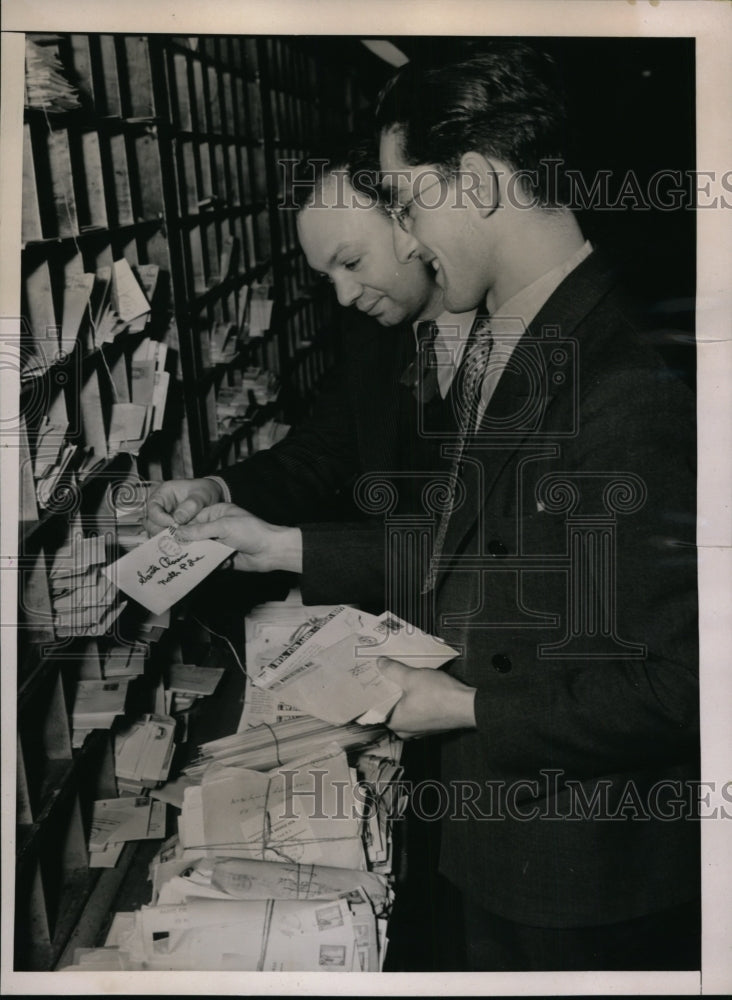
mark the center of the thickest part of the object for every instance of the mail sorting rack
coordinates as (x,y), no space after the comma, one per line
(56,785)
(92,196)
(220,232)
(304,96)
(150,160)
(252,322)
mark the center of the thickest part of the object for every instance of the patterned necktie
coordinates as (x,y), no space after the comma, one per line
(420,374)
(467,391)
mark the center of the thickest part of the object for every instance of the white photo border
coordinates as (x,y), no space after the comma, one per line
(709,22)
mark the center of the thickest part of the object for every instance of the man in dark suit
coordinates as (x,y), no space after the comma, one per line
(564,566)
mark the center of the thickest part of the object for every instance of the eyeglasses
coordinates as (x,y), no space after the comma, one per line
(400,213)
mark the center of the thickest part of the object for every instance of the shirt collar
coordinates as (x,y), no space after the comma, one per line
(527,302)
(516,313)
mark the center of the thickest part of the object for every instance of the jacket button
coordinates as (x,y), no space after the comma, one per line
(497,548)
(501,663)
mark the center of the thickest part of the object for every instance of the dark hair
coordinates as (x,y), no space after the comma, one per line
(506,103)
(356,157)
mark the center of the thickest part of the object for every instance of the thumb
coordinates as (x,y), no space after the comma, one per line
(189,508)
(213,513)
(393,671)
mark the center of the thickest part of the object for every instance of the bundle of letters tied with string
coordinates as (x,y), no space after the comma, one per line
(283,856)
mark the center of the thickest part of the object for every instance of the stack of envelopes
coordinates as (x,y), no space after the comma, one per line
(96,705)
(189,683)
(117,821)
(129,501)
(384,801)
(283,856)
(269,629)
(125,661)
(83,598)
(46,85)
(139,406)
(247,935)
(306,811)
(143,753)
(262,747)
(331,669)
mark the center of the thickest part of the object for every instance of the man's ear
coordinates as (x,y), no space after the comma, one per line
(481,182)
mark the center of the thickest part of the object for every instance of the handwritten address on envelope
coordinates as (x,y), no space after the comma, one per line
(163,570)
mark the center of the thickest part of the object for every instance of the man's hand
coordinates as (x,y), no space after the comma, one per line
(179,500)
(262,547)
(432,702)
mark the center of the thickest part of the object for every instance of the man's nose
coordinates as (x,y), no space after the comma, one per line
(406,247)
(347,289)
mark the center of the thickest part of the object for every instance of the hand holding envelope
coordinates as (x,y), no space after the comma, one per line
(431,701)
(176,501)
(332,670)
(261,547)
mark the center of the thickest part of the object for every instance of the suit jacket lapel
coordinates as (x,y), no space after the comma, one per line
(514,401)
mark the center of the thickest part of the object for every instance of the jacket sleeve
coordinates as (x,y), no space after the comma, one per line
(301,477)
(344,563)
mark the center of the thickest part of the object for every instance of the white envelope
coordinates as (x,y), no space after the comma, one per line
(163,570)
(129,297)
(118,820)
(191,679)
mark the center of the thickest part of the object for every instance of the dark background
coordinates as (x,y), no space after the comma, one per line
(631,104)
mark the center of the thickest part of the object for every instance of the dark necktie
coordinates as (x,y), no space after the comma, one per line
(420,374)
(467,391)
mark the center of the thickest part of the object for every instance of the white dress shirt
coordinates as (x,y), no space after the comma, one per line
(508,324)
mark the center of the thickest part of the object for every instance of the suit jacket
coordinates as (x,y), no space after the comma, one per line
(307,479)
(569,584)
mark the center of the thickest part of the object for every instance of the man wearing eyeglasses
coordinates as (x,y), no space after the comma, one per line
(564,569)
